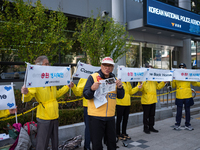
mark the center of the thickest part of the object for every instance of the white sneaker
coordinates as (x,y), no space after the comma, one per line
(176,127)
(189,128)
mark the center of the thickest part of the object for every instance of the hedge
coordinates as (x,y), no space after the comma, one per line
(69,113)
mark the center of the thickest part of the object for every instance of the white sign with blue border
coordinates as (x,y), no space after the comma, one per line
(41,76)
(7,98)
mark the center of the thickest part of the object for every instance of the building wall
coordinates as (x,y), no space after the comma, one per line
(81,8)
(134,10)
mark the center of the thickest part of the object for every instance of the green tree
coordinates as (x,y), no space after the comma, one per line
(102,37)
(33,31)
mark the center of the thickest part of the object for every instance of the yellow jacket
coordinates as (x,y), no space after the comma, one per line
(4,113)
(78,90)
(149,93)
(46,97)
(183,88)
(126,101)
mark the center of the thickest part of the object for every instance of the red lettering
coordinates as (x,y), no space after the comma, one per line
(42,75)
(47,75)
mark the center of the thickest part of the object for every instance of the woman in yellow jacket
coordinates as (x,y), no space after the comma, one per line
(123,110)
(149,100)
(78,91)
(183,96)
(47,110)
(6,112)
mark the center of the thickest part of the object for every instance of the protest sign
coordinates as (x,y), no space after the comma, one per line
(186,75)
(41,76)
(159,75)
(84,70)
(7,98)
(126,74)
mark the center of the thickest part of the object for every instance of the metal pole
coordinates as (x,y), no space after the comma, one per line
(140,54)
(33,110)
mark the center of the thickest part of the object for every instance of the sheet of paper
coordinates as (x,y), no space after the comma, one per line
(107,85)
(99,99)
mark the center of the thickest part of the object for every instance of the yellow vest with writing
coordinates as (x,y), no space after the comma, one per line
(106,110)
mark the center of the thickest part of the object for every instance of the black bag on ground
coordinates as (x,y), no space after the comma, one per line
(71,144)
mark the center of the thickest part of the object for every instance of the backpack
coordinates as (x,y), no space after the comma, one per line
(24,141)
(31,128)
(71,144)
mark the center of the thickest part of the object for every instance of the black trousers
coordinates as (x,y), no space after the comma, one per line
(149,115)
(122,115)
(100,128)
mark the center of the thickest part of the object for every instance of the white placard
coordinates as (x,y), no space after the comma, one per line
(4,136)
(40,76)
(84,70)
(159,75)
(126,74)
(186,75)
(7,98)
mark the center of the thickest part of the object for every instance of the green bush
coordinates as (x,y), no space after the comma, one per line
(136,106)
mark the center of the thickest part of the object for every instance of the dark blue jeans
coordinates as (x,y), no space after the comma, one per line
(87,131)
(187,104)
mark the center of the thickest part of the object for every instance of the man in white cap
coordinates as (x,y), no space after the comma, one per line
(102,119)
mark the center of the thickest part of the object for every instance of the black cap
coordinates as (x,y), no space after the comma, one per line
(182,64)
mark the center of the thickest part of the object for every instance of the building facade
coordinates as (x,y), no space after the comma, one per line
(165,32)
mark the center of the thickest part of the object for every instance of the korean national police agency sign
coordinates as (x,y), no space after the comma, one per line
(170,17)
(40,76)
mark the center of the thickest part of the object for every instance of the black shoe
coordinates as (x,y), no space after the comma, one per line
(87,148)
(147,131)
(153,130)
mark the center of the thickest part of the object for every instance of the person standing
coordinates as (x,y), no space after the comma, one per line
(78,91)
(148,101)
(183,96)
(102,119)
(123,110)
(47,110)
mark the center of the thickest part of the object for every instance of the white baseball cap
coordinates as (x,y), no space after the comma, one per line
(108,60)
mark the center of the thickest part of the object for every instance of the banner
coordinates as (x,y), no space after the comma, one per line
(7,98)
(186,75)
(41,76)
(159,75)
(84,70)
(126,74)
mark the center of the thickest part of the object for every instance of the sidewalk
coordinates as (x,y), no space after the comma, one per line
(166,139)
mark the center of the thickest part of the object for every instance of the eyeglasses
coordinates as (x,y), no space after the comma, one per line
(107,65)
(181,67)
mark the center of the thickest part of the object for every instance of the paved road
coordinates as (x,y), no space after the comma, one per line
(166,139)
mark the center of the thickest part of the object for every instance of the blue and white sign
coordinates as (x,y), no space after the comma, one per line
(7,98)
(40,76)
(126,74)
(165,16)
(186,75)
(84,70)
(159,75)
